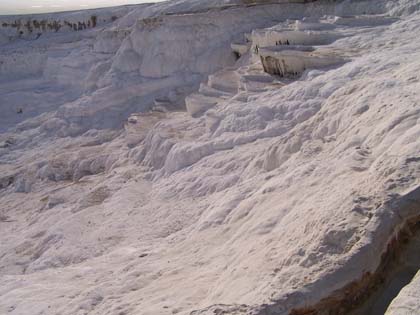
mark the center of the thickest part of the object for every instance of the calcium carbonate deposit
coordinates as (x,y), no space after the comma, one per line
(211,157)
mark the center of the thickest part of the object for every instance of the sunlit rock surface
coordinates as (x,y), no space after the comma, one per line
(408,301)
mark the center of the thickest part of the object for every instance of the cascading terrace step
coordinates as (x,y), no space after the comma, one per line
(292,63)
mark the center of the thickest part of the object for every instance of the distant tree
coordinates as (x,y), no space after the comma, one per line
(94,20)
(43,24)
(36,24)
(29,26)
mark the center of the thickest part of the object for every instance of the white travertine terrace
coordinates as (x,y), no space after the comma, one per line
(407,302)
(293,63)
(149,165)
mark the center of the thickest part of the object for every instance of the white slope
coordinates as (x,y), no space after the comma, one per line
(266,195)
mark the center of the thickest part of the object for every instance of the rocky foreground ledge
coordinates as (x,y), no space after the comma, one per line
(407,301)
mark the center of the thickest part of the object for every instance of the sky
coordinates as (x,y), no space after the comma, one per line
(41,6)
